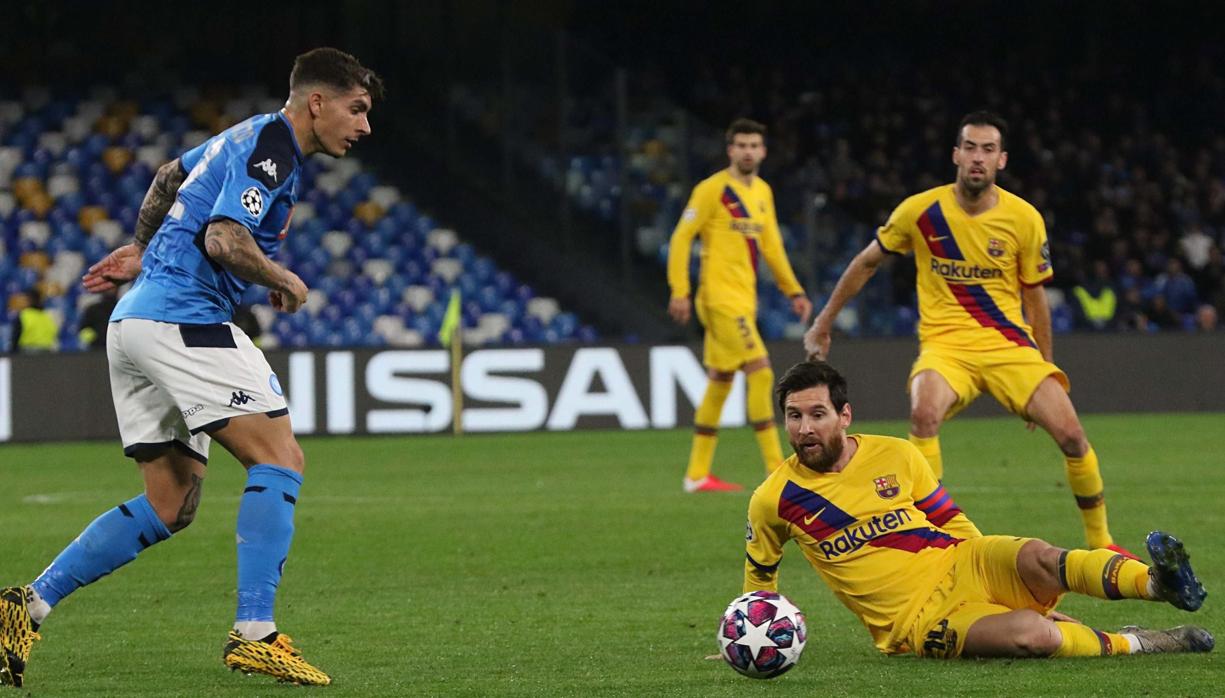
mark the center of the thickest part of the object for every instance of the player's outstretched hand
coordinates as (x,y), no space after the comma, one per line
(817,340)
(117,268)
(801,306)
(680,309)
(290,296)
(1057,616)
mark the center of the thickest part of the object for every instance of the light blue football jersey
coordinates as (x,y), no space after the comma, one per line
(247,173)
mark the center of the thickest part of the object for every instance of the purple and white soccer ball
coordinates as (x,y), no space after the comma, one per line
(762,634)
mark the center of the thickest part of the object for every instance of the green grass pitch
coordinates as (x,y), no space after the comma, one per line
(572,565)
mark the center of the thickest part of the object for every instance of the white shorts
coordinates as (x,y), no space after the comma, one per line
(175,384)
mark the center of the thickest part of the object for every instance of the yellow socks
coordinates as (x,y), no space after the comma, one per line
(929,446)
(767,442)
(1086,481)
(760,385)
(706,429)
(1103,574)
(1083,641)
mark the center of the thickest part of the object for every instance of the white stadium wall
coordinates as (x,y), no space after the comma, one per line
(66,397)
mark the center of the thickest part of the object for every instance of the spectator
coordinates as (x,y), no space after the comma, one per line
(1177,287)
(95,320)
(1131,313)
(1096,301)
(1210,279)
(1195,245)
(35,331)
(1161,315)
(247,322)
(1206,318)
(1133,277)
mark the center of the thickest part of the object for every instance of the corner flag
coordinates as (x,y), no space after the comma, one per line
(450,321)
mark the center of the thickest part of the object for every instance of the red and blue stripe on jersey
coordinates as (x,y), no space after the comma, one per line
(938,506)
(973,297)
(821,519)
(736,209)
(812,513)
(915,539)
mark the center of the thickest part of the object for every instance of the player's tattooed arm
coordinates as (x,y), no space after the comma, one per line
(158,200)
(230,244)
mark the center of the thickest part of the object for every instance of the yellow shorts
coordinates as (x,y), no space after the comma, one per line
(1011,375)
(731,340)
(982,582)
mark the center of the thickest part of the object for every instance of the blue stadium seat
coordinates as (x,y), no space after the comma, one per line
(353,300)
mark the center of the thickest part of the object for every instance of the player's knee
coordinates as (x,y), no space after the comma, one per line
(1038,567)
(1072,441)
(179,521)
(176,513)
(293,459)
(924,420)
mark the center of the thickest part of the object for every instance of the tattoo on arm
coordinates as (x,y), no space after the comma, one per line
(230,244)
(158,200)
(191,502)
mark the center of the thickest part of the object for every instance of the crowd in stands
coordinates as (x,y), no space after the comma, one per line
(1127,170)
(1130,180)
(73,173)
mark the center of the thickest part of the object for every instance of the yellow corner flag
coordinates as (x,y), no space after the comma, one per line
(446,335)
(450,321)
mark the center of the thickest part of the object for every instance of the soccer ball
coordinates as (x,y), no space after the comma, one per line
(762,634)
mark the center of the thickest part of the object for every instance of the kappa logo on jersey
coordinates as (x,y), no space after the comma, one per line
(887,487)
(252,201)
(267,165)
(995,248)
(238,398)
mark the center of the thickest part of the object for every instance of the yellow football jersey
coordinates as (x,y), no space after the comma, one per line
(735,225)
(880,532)
(970,268)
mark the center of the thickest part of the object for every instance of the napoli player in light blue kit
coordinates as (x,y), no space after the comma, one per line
(183,375)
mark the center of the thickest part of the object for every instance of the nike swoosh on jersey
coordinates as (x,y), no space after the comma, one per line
(809,519)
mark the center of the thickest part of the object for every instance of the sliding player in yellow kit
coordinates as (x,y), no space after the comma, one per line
(732,214)
(979,251)
(869,515)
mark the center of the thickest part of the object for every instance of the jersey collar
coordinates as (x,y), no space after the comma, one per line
(293,136)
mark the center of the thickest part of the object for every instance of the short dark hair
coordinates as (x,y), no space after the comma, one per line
(810,374)
(984,117)
(336,69)
(745,126)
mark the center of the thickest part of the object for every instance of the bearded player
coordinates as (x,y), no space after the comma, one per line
(869,515)
(984,324)
(732,215)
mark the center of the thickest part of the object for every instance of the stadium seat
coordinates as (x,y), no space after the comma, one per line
(73,174)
